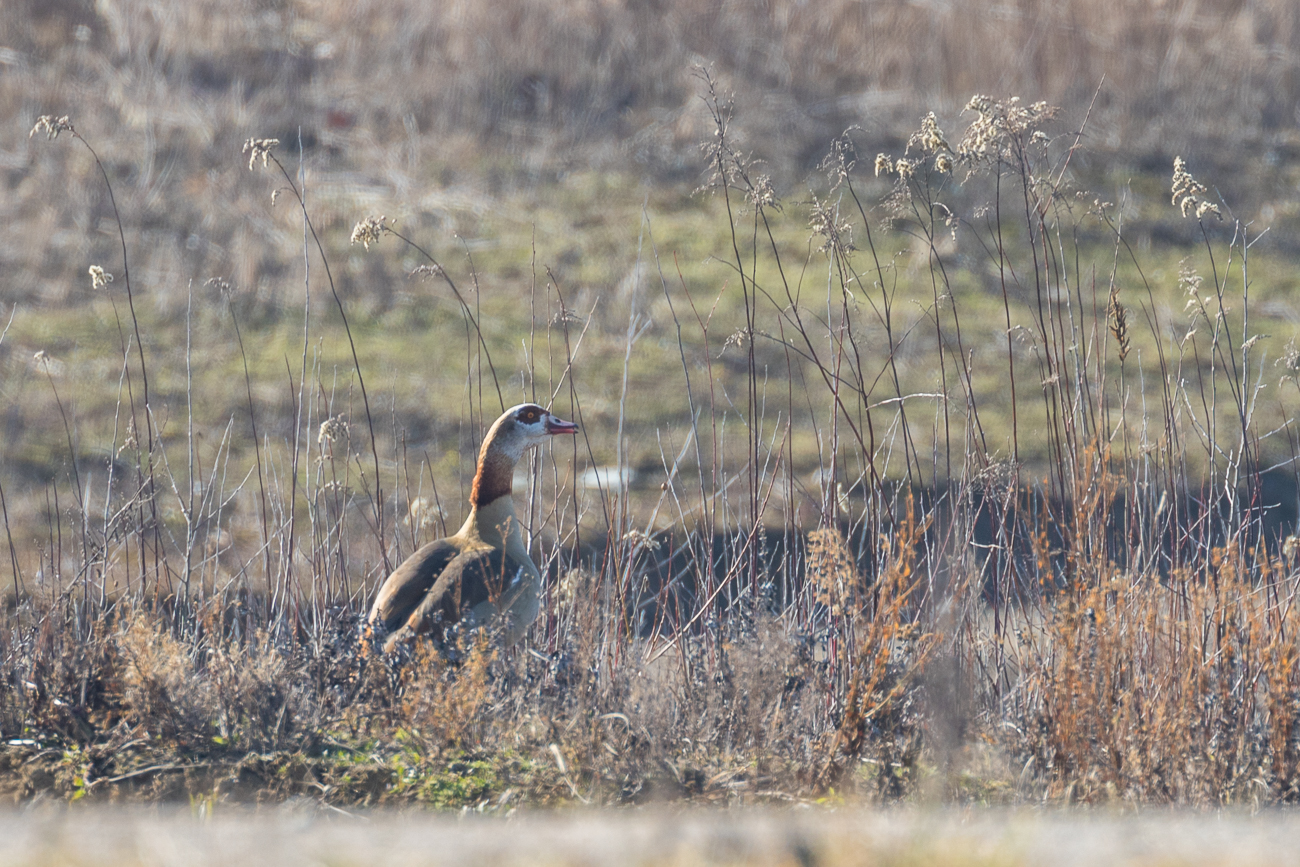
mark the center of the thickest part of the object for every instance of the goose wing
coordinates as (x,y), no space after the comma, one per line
(403,590)
(474,585)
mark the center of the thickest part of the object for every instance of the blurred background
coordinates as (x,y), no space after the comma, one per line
(437,110)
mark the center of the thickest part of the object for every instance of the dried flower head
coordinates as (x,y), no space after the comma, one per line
(332,430)
(1184,184)
(761,195)
(368,231)
(636,537)
(567,588)
(423,513)
(1187,192)
(884,165)
(1099,206)
(728,167)
(1290,363)
(565,318)
(999,124)
(1190,282)
(1188,279)
(842,158)
(221,284)
(929,138)
(904,167)
(943,163)
(736,338)
(1117,317)
(426,271)
(824,221)
(259,147)
(51,126)
(99,278)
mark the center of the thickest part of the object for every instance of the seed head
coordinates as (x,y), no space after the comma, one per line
(1187,192)
(929,138)
(636,537)
(426,271)
(259,147)
(423,513)
(1290,363)
(368,231)
(824,221)
(1000,123)
(568,587)
(51,126)
(1188,279)
(1118,320)
(842,158)
(884,165)
(99,278)
(332,430)
(762,195)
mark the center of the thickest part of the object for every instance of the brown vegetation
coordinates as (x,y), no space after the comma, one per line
(984,517)
(440,107)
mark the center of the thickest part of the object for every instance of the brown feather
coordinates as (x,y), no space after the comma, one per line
(467,582)
(494,478)
(410,581)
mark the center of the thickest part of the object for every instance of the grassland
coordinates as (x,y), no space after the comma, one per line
(964,473)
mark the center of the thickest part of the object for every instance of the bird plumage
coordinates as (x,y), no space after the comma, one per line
(482,571)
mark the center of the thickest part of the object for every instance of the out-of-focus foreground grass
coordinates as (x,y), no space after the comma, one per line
(845,838)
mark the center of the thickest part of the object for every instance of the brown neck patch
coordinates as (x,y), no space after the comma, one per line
(494,478)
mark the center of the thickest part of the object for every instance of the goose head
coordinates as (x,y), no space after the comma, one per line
(523,427)
(517,430)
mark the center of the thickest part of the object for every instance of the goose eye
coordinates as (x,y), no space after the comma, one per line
(530,415)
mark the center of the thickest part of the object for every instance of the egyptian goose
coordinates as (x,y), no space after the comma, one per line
(483,570)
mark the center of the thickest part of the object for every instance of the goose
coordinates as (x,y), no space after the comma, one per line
(483,571)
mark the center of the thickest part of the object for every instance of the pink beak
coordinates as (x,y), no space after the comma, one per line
(556,425)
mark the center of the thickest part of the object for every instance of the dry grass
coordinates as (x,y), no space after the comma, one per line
(440,109)
(950,501)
